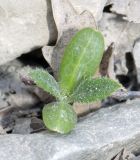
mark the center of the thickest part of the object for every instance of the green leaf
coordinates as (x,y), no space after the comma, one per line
(59,117)
(81,58)
(45,81)
(90,90)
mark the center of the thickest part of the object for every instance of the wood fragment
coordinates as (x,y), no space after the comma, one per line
(83,109)
(125,95)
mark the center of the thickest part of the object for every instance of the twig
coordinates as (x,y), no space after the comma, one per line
(38,130)
(124,95)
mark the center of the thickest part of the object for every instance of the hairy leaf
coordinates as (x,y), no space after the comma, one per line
(81,58)
(45,81)
(59,117)
(90,90)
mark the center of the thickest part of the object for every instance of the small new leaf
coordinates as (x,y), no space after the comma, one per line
(45,81)
(90,90)
(81,58)
(59,117)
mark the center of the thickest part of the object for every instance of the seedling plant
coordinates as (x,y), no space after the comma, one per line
(75,81)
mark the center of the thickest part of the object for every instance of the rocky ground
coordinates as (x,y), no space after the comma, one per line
(34,33)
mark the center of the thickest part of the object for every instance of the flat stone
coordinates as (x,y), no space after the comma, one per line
(24,26)
(99,136)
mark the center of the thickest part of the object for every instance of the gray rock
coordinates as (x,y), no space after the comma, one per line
(136,54)
(99,136)
(24,26)
(22,126)
(137,158)
(129,9)
(124,155)
(13,92)
(119,31)
(123,34)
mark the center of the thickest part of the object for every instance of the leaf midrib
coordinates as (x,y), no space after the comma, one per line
(78,63)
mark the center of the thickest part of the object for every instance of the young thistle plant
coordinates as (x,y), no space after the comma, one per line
(80,62)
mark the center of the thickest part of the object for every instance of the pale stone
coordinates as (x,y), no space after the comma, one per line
(129,9)
(24,26)
(99,136)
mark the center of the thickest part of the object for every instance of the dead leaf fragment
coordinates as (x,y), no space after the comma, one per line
(107,63)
